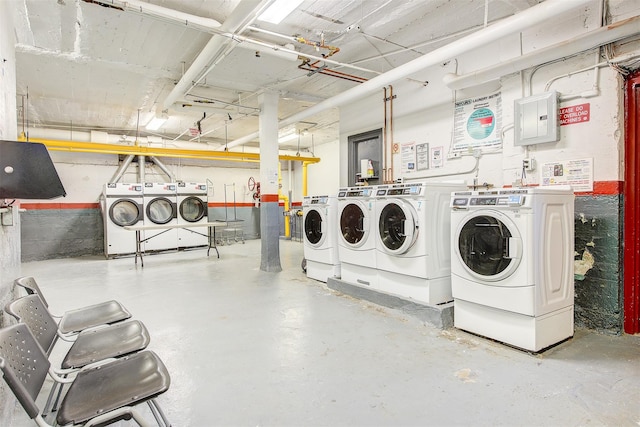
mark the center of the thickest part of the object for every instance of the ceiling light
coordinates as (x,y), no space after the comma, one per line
(279,10)
(157,122)
(287,138)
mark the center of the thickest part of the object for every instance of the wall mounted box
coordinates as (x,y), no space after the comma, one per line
(536,119)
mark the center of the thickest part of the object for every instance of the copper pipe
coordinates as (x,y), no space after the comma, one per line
(391,132)
(385,161)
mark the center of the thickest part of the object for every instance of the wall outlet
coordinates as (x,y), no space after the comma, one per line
(454,155)
(529,164)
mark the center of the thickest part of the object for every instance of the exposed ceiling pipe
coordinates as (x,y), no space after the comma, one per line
(199,67)
(593,39)
(192,21)
(240,19)
(518,22)
(122,168)
(163,168)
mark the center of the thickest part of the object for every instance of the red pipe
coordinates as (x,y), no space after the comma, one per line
(631,284)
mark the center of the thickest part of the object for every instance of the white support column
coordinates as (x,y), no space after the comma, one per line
(269,207)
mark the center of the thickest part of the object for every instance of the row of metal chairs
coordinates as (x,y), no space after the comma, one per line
(107,368)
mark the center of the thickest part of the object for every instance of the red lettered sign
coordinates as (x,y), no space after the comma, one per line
(575,114)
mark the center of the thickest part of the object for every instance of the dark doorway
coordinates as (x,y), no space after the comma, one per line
(366,145)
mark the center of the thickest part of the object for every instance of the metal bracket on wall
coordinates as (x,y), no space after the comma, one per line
(6,215)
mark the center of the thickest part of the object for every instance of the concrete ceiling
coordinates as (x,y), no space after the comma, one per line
(96,65)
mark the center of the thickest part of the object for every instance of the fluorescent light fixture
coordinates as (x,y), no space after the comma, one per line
(156,123)
(287,138)
(279,10)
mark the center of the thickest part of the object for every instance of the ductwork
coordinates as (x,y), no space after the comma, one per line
(516,23)
(215,46)
(593,39)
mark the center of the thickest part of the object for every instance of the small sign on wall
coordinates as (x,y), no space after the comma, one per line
(576,173)
(414,157)
(574,114)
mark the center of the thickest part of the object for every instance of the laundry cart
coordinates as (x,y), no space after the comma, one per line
(234,232)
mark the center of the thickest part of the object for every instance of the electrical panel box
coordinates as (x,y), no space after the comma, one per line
(536,119)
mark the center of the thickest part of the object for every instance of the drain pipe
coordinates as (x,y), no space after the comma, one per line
(163,168)
(123,167)
(141,167)
(534,15)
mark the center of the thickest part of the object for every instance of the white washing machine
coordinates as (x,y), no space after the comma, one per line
(356,235)
(413,240)
(512,264)
(320,216)
(160,208)
(193,208)
(122,205)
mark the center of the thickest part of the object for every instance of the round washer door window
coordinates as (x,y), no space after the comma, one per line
(124,212)
(352,221)
(489,246)
(313,227)
(160,210)
(397,227)
(193,209)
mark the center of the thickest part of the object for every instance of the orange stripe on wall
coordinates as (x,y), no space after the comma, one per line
(227,205)
(269,198)
(43,206)
(604,188)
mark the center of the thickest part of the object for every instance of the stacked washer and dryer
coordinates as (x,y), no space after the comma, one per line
(413,240)
(122,205)
(512,264)
(319,215)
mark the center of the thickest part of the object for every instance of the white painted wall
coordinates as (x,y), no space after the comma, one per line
(424,112)
(324,177)
(9,235)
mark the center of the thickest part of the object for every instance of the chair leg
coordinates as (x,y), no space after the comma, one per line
(158,414)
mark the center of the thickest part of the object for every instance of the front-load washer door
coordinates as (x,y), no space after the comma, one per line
(193,209)
(354,225)
(161,210)
(489,245)
(125,212)
(397,227)
(314,228)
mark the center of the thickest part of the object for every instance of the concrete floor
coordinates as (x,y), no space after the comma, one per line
(249,348)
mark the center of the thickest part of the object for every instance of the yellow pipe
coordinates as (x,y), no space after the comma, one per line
(92,147)
(287,226)
(304,177)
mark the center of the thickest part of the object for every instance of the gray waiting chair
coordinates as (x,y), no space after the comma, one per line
(89,346)
(74,321)
(98,395)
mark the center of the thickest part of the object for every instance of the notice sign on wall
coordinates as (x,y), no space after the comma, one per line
(477,122)
(414,157)
(576,173)
(574,114)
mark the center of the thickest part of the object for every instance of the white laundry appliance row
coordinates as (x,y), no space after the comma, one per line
(504,256)
(153,204)
(392,238)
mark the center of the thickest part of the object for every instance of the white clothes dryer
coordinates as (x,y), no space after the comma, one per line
(319,216)
(512,264)
(193,208)
(356,235)
(122,205)
(413,240)
(160,208)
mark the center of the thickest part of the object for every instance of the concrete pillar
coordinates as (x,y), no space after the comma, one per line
(269,209)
